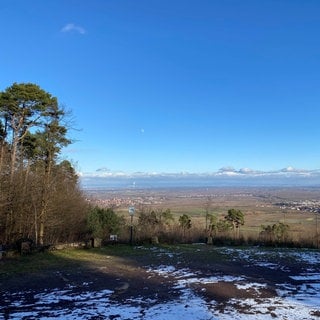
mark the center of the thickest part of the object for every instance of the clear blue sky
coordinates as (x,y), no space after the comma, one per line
(174,85)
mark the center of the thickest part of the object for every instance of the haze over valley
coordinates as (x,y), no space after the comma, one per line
(225,177)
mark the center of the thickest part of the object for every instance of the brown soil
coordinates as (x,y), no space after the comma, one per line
(131,277)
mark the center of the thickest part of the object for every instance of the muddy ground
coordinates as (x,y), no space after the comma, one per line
(149,276)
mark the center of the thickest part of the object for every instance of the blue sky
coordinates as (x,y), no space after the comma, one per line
(174,85)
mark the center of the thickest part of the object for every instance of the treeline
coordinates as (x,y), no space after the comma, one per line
(39,195)
(156,225)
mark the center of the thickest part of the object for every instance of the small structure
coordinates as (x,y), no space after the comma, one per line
(24,245)
(155,240)
(113,238)
(95,243)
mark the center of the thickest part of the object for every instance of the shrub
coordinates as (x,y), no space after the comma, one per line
(103,222)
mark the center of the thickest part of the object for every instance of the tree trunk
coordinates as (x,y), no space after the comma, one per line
(45,199)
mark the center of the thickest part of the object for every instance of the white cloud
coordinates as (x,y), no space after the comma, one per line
(103,169)
(242,177)
(223,172)
(247,171)
(227,169)
(71,27)
(293,170)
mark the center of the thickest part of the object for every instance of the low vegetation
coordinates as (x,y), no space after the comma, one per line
(157,225)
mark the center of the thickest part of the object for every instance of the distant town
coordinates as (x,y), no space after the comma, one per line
(124,198)
(305,205)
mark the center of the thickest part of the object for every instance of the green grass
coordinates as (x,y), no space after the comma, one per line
(31,263)
(67,258)
(74,258)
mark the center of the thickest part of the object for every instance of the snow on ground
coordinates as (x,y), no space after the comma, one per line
(293,302)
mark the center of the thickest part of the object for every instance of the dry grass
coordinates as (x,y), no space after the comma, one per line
(258,205)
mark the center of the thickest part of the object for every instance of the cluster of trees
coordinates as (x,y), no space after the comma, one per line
(275,233)
(102,223)
(231,222)
(153,222)
(39,195)
(161,224)
(150,224)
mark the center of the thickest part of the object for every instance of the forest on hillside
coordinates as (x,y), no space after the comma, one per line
(40,196)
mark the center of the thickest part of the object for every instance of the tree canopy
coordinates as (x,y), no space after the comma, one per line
(32,135)
(236,217)
(104,222)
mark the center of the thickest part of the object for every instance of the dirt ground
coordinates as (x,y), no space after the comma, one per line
(132,273)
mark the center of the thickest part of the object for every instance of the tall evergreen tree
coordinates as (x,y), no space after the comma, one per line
(32,134)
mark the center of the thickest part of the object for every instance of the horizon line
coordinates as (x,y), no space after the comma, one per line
(225,171)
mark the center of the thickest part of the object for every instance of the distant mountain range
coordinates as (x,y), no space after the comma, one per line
(225,177)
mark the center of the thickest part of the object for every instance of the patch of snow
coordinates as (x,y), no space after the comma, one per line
(307,277)
(251,285)
(163,270)
(295,301)
(266,309)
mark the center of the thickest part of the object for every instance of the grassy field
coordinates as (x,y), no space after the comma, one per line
(258,205)
(57,259)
